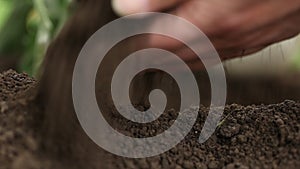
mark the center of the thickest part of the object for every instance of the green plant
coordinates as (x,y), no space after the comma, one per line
(29,28)
(5,10)
(13,29)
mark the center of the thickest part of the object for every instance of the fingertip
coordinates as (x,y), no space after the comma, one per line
(118,7)
(127,7)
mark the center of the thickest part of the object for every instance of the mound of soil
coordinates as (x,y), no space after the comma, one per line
(16,135)
(262,136)
(256,136)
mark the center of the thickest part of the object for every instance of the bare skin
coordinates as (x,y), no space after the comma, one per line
(235,27)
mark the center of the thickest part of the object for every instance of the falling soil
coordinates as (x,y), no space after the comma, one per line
(256,136)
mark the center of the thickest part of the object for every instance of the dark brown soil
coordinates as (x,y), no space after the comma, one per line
(16,137)
(257,136)
(19,145)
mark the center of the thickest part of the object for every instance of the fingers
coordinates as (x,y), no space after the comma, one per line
(217,19)
(209,16)
(261,14)
(267,35)
(127,7)
(235,30)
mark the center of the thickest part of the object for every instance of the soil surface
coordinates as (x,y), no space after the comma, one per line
(16,136)
(256,136)
(19,142)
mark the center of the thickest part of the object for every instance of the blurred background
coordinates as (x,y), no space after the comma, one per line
(28,26)
(26,29)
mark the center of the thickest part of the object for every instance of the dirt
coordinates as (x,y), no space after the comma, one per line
(19,142)
(16,137)
(62,135)
(256,136)
(263,136)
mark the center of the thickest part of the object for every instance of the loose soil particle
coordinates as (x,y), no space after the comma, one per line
(19,145)
(15,135)
(256,136)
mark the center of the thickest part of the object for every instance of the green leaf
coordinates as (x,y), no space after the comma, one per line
(29,28)
(14,30)
(5,10)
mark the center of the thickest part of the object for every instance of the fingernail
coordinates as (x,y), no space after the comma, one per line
(126,7)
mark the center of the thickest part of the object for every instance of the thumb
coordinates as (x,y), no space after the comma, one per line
(127,7)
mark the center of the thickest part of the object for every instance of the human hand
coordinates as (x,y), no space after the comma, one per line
(235,27)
